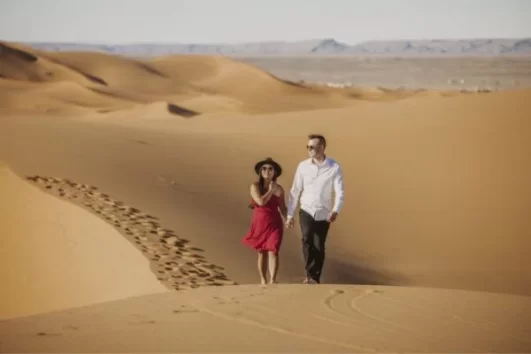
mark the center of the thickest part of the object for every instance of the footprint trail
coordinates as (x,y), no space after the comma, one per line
(174,260)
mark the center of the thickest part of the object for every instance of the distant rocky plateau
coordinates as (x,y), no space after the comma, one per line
(323,47)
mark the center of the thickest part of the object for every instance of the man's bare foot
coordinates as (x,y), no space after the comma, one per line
(273,281)
(263,282)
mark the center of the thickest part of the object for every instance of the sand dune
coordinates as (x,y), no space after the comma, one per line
(25,65)
(202,84)
(56,256)
(64,97)
(438,187)
(289,318)
(175,262)
(435,225)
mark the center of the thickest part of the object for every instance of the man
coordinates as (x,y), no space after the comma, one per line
(315,180)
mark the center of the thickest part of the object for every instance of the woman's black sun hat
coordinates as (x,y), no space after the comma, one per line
(268,161)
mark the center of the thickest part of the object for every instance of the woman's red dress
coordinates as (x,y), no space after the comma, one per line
(267,228)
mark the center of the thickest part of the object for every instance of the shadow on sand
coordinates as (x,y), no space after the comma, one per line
(339,272)
(180,111)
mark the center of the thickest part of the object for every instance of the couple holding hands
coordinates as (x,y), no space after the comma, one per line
(315,181)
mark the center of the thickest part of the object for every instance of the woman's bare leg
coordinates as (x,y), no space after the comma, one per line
(262,267)
(273,267)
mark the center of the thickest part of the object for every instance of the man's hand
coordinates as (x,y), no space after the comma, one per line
(332,217)
(289,223)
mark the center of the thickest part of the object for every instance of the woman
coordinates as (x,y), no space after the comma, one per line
(267,226)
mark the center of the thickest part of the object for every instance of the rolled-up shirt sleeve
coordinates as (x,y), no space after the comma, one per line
(295,192)
(338,190)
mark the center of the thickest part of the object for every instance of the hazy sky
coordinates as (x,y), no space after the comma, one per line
(213,21)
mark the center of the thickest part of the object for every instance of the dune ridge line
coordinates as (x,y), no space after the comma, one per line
(174,260)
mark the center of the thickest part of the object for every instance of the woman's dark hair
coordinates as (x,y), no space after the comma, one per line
(261,186)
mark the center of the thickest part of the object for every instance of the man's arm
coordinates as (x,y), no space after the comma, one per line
(294,193)
(338,190)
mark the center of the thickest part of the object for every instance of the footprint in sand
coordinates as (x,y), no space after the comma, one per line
(173,260)
(45,334)
(142,322)
(185,310)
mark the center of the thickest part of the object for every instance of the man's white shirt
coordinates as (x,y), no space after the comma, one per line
(315,184)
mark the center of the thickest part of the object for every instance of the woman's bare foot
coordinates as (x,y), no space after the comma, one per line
(273,281)
(263,281)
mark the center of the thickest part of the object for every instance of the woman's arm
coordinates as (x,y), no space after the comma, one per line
(258,199)
(282,207)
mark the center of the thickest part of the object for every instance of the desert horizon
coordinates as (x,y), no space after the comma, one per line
(476,65)
(125,192)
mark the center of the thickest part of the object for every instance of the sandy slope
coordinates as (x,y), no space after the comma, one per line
(437,195)
(288,318)
(438,188)
(55,256)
